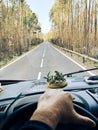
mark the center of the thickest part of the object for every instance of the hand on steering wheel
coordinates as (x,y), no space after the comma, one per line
(56,106)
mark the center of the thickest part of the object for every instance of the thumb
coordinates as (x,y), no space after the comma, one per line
(82,120)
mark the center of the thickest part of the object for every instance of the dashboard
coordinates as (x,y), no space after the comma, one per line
(17,94)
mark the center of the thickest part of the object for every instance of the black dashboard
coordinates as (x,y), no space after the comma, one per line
(20,93)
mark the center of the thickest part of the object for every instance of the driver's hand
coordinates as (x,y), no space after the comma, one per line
(56,106)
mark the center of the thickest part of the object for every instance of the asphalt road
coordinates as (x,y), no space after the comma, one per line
(38,62)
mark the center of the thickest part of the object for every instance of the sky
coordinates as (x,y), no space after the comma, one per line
(42,9)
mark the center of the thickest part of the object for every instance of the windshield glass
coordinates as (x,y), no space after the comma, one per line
(41,36)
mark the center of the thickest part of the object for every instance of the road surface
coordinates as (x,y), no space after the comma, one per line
(38,62)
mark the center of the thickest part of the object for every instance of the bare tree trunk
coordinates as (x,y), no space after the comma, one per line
(72,20)
(85,28)
(95,26)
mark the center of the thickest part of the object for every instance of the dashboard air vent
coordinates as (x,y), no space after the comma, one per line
(3,107)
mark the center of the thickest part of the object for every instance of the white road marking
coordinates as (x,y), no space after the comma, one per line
(42,61)
(74,61)
(39,75)
(41,65)
(44,53)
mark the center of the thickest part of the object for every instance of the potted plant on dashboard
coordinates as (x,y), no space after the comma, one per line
(56,81)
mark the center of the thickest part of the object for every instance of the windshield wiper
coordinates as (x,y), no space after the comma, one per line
(80,71)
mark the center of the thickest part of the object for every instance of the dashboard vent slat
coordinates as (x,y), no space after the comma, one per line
(3,107)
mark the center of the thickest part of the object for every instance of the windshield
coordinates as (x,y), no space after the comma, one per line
(41,36)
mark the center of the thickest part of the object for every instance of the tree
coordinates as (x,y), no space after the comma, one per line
(76,23)
(17,24)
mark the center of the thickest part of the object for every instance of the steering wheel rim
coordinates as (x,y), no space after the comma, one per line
(87,113)
(24,109)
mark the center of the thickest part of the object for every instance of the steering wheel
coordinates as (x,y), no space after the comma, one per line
(23,114)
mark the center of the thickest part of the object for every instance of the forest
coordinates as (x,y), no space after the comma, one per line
(19,28)
(75,25)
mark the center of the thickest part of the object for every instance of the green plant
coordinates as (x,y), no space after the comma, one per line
(56,78)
